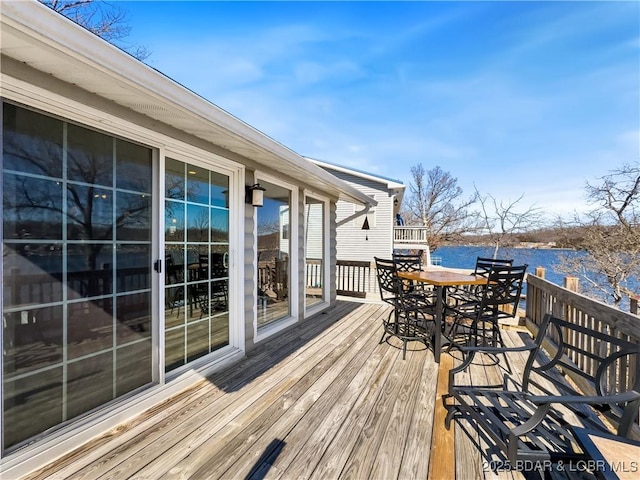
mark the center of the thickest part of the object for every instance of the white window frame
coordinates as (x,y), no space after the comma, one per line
(326,260)
(236,221)
(262,333)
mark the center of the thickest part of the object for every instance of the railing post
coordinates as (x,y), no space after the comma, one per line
(540,272)
(571,283)
(633,304)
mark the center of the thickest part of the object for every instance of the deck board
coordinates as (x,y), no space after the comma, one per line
(324,400)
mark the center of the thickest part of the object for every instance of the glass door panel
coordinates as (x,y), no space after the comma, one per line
(273,254)
(196,262)
(314,251)
(77,271)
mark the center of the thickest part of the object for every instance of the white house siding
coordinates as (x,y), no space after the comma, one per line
(314,240)
(353,243)
(332,251)
(250,280)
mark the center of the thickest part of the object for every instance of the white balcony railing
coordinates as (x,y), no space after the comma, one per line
(409,236)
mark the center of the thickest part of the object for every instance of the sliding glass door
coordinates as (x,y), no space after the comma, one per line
(77,237)
(196,270)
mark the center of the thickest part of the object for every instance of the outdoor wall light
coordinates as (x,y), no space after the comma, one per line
(255,195)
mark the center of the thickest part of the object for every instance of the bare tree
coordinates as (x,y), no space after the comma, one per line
(105,19)
(435,201)
(609,236)
(503,219)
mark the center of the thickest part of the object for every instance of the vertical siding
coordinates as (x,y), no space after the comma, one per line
(301,259)
(332,252)
(248,263)
(313,229)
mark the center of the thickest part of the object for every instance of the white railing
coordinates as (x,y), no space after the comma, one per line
(409,235)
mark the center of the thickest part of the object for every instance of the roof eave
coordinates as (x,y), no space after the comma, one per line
(58,35)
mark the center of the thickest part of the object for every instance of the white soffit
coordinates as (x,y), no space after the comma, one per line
(33,34)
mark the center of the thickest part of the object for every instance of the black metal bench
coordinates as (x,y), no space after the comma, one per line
(526,418)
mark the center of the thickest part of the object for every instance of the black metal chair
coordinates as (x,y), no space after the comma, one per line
(499,300)
(470,295)
(484,265)
(410,262)
(411,312)
(529,417)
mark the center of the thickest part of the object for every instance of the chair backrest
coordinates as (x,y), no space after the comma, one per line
(484,265)
(599,363)
(501,295)
(387,278)
(408,262)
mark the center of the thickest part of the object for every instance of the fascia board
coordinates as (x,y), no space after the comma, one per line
(391,185)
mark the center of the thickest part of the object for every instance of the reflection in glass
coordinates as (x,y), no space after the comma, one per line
(90,327)
(134,317)
(197,339)
(32,208)
(173,221)
(219,225)
(174,298)
(174,179)
(89,213)
(197,223)
(32,404)
(133,216)
(219,190)
(219,330)
(197,184)
(89,156)
(33,339)
(174,348)
(32,274)
(133,167)
(314,250)
(90,383)
(132,262)
(32,143)
(70,267)
(174,264)
(273,255)
(197,259)
(127,378)
(89,270)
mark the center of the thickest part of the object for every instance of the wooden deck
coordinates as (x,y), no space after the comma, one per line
(326,400)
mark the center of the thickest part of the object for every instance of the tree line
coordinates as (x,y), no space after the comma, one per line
(608,233)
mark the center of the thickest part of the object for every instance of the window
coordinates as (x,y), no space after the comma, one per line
(315,251)
(274,245)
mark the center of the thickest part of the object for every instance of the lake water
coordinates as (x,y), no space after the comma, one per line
(465,257)
(549,258)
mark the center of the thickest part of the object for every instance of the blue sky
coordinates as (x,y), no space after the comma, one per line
(532,98)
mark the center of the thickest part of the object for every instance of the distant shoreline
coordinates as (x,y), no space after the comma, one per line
(519,247)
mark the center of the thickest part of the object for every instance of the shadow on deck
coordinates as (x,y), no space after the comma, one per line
(325,400)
